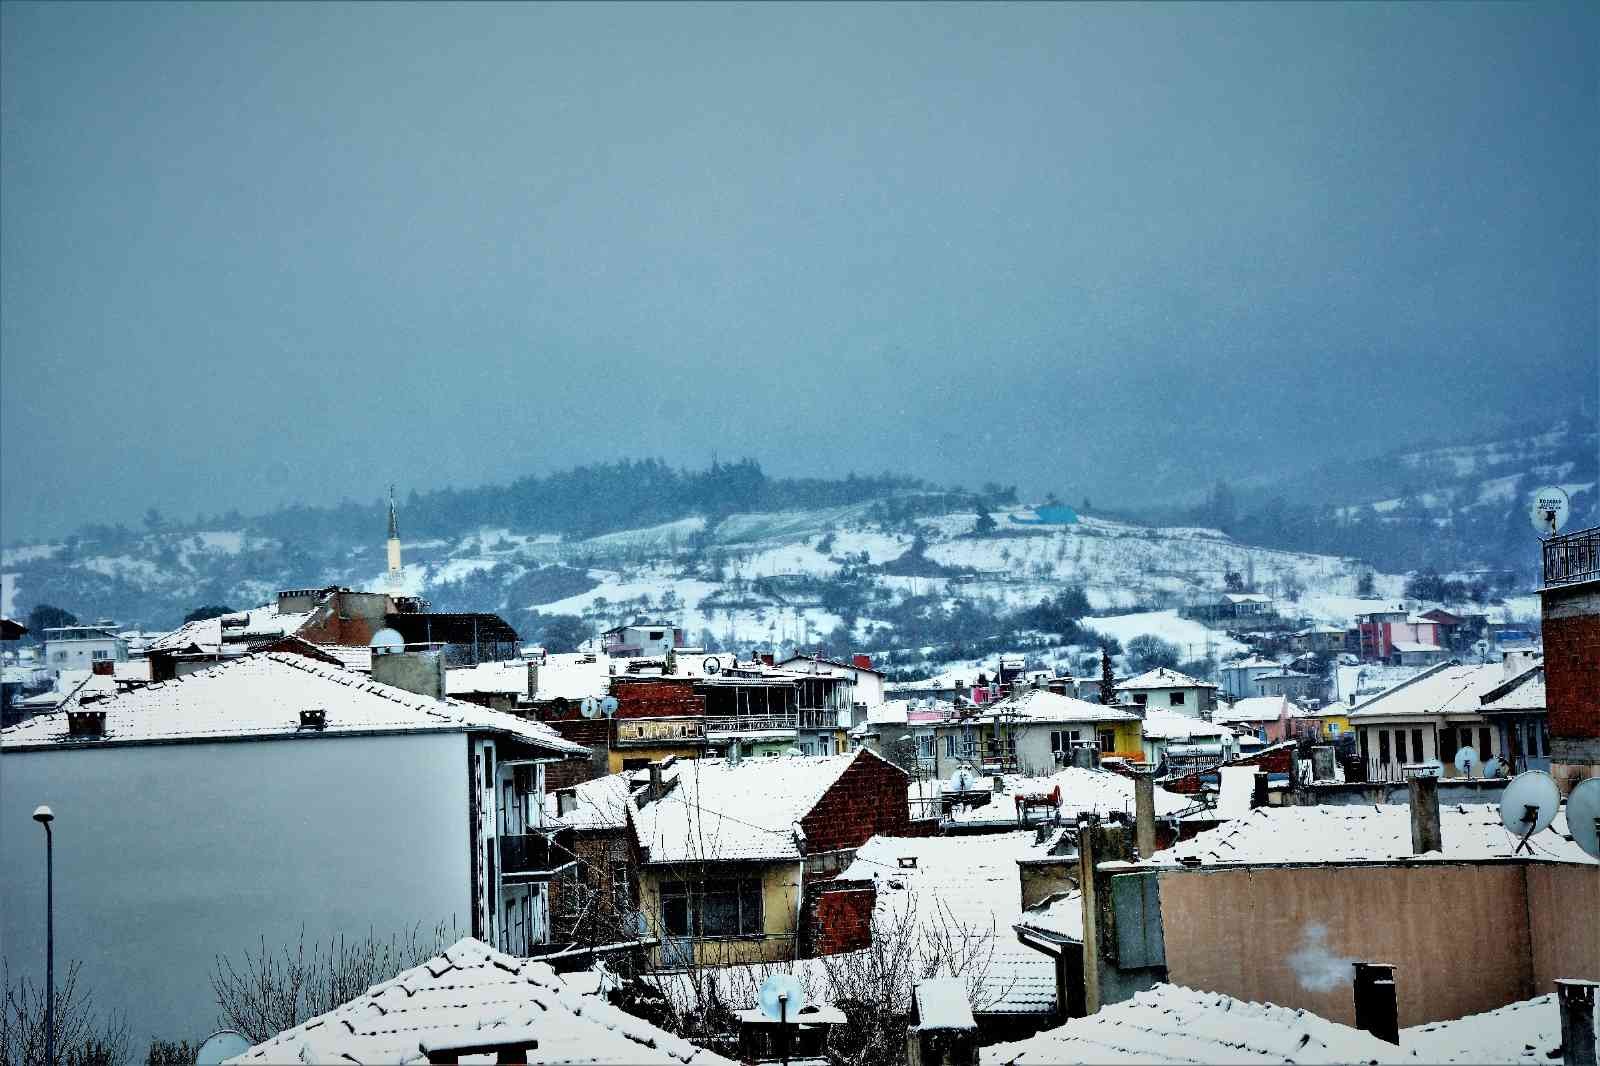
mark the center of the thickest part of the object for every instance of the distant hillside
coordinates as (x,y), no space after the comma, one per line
(1449,507)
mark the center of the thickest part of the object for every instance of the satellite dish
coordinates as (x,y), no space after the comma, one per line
(589,707)
(1493,767)
(1583,807)
(1550,510)
(1466,759)
(782,997)
(608,706)
(384,642)
(220,1046)
(711,665)
(962,780)
(1528,805)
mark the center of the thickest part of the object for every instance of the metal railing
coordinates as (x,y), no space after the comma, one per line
(749,723)
(1572,557)
(536,856)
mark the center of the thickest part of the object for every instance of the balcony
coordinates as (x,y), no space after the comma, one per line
(535,856)
(752,723)
(1573,557)
(819,718)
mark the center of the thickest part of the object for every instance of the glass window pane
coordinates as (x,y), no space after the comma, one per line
(750,906)
(719,911)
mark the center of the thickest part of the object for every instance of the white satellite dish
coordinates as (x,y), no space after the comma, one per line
(589,707)
(963,779)
(1550,510)
(782,997)
(1529,803)
(221,1046)
(1493,767)
(711,665)
(1583,808)
(1466,759)
(384,642)
(608,706)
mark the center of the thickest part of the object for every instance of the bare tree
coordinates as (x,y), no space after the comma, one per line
(83,1038)
(266,992)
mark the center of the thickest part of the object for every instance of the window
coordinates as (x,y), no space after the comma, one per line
(1400,747)
(1383,747)
(1175,699)
(101,653)
(621,886)
(1484,748)
(807,748)
(1108,740)
(1416,744)
(1365,754)
(655,634)
(1140,698)
(717,907)
(1064,739)
(488,768)
(950,746)
(925,746)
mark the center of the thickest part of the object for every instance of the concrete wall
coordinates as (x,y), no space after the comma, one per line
(1460,935)
(168,855)
(1564,923)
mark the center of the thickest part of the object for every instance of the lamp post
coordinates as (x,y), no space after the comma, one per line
(44,816)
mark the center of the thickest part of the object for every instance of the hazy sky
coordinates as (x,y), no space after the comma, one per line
(259,254)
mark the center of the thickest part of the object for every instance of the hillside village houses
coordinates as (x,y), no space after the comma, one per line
(1167,689)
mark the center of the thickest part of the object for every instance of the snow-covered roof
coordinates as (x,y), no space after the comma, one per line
(572,677)
(257,697)
(1042,705)
(1061,915)
(894,712)
(603,802)
(1446,689)
(211,634)
(942,1004)
(1162,677)
(473,994)
(1257,709)
(1363,833)
(748,810)
(823,660)
(1525,692)
(354,657)
(1173,1024)
(1528,1031)
(1162,724)
(509,677)
(968,883)
(1083,791)
(1282,671)
(1253,662)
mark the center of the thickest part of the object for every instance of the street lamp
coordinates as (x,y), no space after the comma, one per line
(44,816)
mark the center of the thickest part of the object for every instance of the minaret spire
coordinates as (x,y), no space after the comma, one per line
(395,568)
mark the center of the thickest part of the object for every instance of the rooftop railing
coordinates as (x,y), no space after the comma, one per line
(1572,557)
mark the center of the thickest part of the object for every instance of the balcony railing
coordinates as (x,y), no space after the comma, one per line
(827,718)
(751,723)
(1572,557)
(536,856)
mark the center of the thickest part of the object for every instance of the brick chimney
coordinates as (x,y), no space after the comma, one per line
(1424,800)
(862,662)
(1377,1008)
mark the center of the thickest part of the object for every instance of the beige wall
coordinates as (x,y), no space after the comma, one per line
(1564,920)
(1458,935)
(780,896)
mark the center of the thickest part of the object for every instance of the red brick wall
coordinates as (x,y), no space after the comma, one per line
(585,731)
(841,919)
(1571,670)
(656,699)
(868,800)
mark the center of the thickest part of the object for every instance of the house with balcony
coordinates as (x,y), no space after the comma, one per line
(309,798)
(729,852)
(649,639)
(1168,690)
(1035,731)
(1427,720)
(79,647)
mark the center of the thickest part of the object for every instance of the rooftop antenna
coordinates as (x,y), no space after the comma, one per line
(1583,815)
(1528,805)
(1550,510)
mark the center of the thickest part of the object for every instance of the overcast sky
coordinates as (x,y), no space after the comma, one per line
(260,254)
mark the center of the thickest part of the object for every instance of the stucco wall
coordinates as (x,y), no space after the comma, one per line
(1458,935)
(167,855)
(1564,923)
(780,911)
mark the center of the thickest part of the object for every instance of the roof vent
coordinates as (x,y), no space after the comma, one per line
(86,723)
(313,718)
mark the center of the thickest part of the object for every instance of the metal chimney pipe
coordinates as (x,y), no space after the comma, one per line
(1377,1008)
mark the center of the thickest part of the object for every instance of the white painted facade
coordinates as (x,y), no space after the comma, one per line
(80,647)
(167,855)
